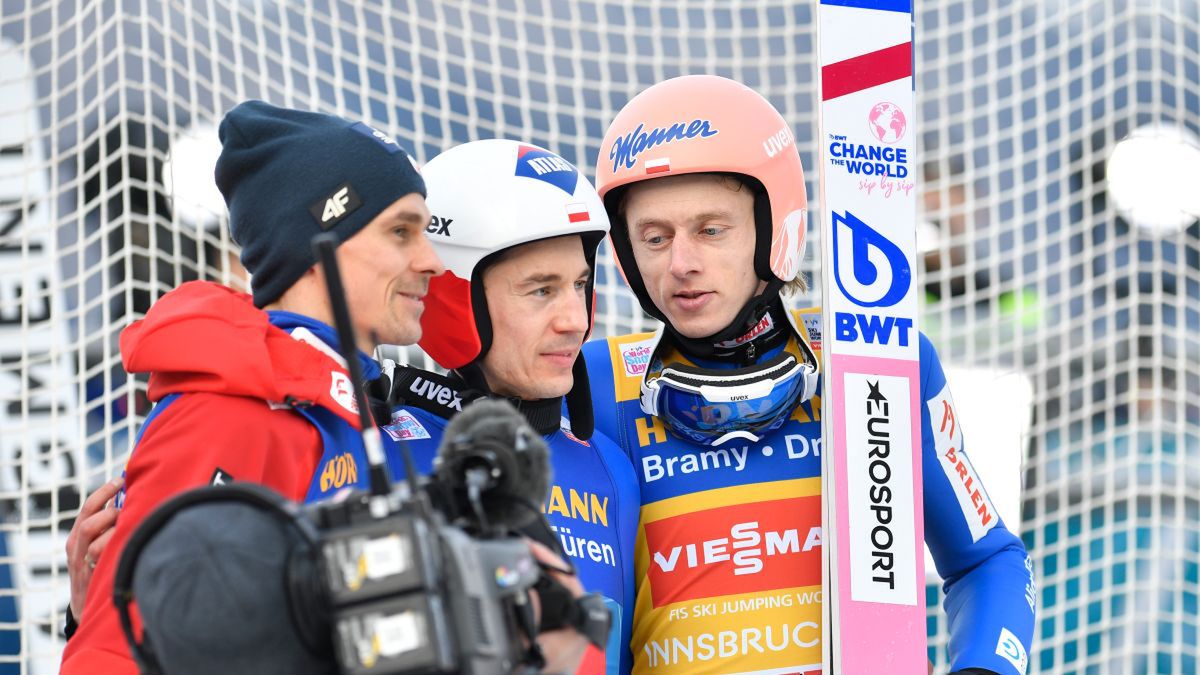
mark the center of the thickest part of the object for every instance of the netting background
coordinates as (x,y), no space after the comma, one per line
(1032,270)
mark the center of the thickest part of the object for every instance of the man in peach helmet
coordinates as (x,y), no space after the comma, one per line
(720,409)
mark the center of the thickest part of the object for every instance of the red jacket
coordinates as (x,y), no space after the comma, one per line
(234,371)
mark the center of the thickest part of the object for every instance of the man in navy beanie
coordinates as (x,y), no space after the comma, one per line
(244,394)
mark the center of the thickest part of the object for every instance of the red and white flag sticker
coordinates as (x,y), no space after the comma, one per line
(659,165)
(577,213)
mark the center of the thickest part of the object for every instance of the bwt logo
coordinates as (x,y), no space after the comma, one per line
(876,273)
(870,271)
(872,329)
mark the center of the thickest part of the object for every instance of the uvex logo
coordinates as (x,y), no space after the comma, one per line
(743,548)
(439,225)
(437,393)
(778,141)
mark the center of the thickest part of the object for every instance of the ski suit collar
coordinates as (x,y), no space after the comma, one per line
(204,337)
(302,327)
(446,395)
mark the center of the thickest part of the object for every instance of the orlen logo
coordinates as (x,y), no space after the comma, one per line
(887,122)
(543,165)
(338,472)
(342,391)
(765,324)
(977,509)
(743,548)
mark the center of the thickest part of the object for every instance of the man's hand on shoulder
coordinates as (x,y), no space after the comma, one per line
(89,536)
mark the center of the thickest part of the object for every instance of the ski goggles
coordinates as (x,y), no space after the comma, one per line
(711,406)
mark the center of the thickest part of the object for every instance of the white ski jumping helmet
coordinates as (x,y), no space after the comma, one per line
(485,197)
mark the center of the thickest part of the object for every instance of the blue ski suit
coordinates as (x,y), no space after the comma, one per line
(728,553)
(592,506)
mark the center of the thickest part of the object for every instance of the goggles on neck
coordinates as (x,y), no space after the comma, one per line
(712,406)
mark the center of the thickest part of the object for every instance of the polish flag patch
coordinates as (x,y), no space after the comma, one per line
(659,165)
(578,213)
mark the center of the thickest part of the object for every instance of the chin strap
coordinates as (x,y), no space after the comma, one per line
(468,384)
(760,326)
(545,415)
(783,327)
(579,401)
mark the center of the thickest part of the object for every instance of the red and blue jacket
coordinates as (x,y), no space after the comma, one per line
(241,394)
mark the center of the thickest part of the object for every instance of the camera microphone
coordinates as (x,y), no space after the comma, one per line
(495,466)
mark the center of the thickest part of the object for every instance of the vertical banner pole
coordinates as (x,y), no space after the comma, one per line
(873,520)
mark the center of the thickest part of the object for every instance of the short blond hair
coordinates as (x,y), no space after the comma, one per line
(797,286)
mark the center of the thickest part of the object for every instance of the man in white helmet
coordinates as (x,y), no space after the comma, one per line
(517,228)
(708,225)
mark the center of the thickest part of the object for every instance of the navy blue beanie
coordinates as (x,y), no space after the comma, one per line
(288,175)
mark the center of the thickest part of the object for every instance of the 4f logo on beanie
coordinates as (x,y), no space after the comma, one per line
(332,209)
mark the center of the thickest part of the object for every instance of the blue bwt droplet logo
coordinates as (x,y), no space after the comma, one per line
(876,272)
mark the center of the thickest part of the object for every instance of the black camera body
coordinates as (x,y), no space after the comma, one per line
(410,593)
(363,584)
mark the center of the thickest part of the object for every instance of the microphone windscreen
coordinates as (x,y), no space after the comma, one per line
(494,426)
(212,590)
